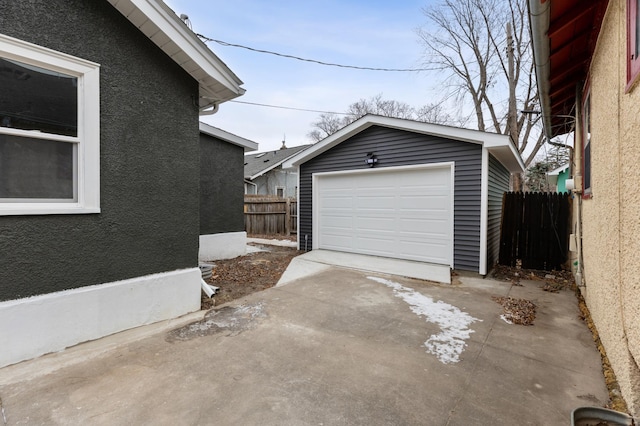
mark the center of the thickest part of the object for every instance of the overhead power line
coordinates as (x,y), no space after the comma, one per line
(283,55)
(291,108)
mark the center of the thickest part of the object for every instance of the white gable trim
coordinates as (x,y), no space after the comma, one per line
(499,146)
(228,137)
(268,169)
(556,172)
(158,22)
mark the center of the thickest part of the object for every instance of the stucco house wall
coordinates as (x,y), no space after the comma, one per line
(611,221)
(222,234)
(149,160)
(73,274)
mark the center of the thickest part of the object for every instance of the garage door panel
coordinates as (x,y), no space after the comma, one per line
(338,242)
(404,213)
(333,202)
(377,225)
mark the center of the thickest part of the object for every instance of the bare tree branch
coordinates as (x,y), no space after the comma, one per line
(467,37)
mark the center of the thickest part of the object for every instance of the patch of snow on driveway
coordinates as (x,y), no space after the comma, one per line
(450,342)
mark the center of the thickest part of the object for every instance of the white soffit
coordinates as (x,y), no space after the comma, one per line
(229,137)
(499,146)
(158,22)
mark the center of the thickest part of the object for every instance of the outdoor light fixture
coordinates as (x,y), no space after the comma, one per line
(371,159)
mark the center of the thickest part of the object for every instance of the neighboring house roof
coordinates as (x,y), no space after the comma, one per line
(556,172)
(158,22)
(553,174)
(499,145)
(564,35)
(256,165)
(228,137)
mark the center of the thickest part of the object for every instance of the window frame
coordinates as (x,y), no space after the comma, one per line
(284,193)
(88,137)
(633,43)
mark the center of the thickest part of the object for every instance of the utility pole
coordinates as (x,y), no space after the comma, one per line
(512,115)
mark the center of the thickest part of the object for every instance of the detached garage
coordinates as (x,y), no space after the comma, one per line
(407,190)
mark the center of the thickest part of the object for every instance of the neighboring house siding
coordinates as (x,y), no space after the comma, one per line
(221,186)
(268,182)
(561,187)
(399,148)
(498,184)
(149,159)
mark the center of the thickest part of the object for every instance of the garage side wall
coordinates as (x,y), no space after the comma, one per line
(221,186)
(394,148)
(498,185)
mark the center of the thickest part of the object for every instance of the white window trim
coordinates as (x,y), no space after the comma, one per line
(88,140)
(284,190)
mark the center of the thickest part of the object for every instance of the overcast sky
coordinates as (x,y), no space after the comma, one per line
(372,33)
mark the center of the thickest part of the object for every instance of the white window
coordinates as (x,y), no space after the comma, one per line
(280,191)
(49,131)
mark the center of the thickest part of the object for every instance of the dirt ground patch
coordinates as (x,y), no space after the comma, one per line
(247,274)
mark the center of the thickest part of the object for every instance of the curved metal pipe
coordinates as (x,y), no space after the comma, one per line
(214,108)
(539,15)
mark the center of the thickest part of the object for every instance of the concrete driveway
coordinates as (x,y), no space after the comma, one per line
(340,347)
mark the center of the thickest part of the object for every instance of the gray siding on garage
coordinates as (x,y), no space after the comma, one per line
(221,186)
(400,148)
(149,159)
(498,184)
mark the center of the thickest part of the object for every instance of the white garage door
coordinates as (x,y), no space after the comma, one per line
(403,212)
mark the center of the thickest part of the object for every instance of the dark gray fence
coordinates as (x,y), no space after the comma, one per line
(535,229)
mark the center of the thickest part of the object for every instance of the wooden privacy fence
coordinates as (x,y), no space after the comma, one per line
(270,215)
(535,229)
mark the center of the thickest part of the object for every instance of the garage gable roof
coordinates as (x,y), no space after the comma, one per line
(162,26)
(499,146)
(228,137)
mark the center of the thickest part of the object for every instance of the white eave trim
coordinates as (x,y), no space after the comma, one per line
(268,169)
(499,146)
(559,170)
(158,22)
(228,137)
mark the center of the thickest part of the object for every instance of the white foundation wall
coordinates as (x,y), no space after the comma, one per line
(38,325)
(222,246)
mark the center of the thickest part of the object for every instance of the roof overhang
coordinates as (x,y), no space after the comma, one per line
(556,172)
(158,22)
(564,35)
(246,144)
(274,165)
(500,146)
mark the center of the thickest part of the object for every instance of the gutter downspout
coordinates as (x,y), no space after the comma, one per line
(577,175)
(539,16)
(209,109)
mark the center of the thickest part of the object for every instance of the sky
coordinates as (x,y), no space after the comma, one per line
(372,33)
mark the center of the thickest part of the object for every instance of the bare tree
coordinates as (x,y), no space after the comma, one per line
(435,113)
(485,47)
(328,124)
